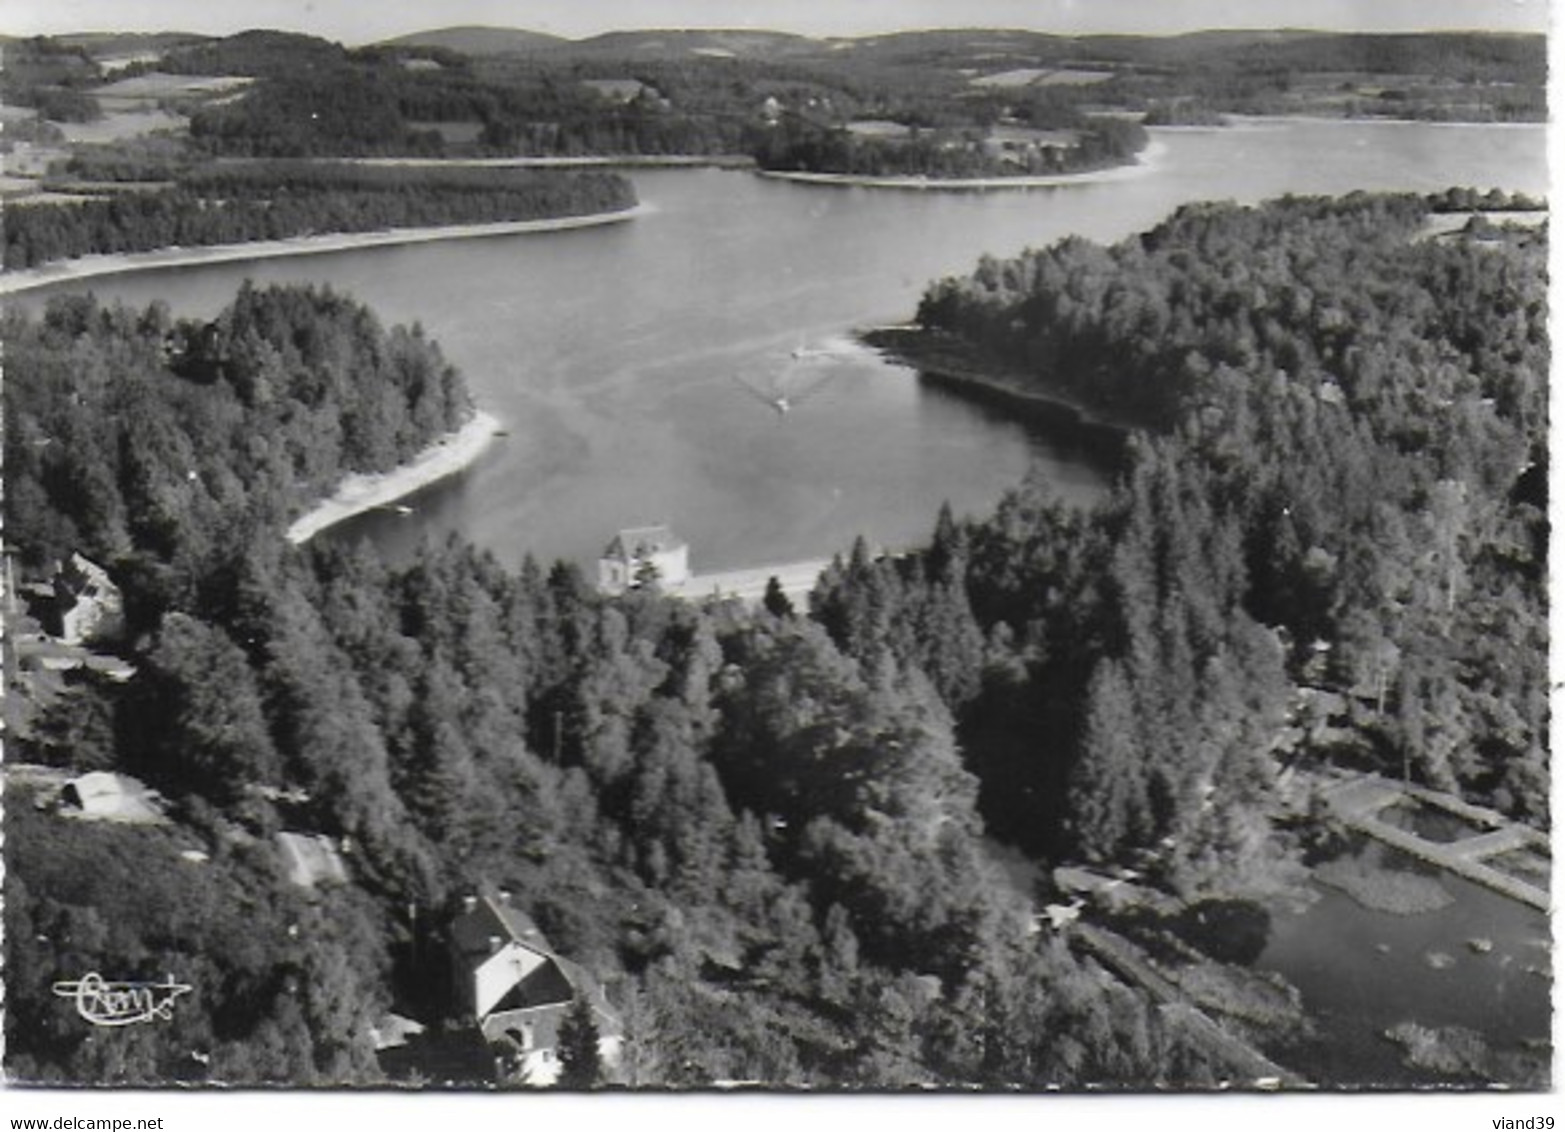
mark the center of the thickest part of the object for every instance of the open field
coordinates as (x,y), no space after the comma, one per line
(1039,76)
(156,85)
(120,126)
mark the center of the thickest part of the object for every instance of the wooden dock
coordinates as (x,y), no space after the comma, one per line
(1359,804)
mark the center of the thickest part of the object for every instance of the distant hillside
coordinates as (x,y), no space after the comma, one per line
(258,52)
(114,44)
(491,91)
(1521,56)
(675,42)
(472,40)
(646,44)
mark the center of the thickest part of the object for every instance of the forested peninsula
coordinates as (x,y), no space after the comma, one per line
(769,833)
(270,201)
(148,441)
(957,154)
(1343,446)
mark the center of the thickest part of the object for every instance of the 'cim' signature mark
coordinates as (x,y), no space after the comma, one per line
(121,1004)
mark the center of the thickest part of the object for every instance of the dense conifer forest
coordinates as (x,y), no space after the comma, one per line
(279,200)
(771,832)
(1341,486)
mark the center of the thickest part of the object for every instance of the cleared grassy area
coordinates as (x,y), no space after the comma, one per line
(121,126)
(452,133)
(878,128)
(1042,76)
(1022,76)
(156,84)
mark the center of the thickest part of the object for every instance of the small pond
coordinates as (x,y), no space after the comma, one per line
(1430,822)
(1525,865)
(1476,964)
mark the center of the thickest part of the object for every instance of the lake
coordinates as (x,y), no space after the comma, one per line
(632,364)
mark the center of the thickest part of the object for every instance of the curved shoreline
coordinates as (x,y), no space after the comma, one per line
(446,456)
(1144,163)
(87,267)
(949,364)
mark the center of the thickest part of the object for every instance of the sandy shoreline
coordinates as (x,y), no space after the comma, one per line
(1262,121)
(1142,165)
(359,493)
(90,266)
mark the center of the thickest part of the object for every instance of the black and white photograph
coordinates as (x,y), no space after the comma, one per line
(741,550)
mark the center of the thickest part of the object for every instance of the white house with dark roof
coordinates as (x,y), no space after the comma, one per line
(87,604)
(100,795)
(512,984)
(638,553)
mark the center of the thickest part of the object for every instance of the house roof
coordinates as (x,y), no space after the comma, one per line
(545,985)
(97,784)
(553,983)
(311,859)
(85,577)
(117,797)
(492,915)
(639,542)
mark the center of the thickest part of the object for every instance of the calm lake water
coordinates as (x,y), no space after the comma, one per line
(625,361)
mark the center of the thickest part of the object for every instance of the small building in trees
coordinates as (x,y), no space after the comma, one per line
(641,555)
(85,605)
(518,991)
(311,859)
(100,795)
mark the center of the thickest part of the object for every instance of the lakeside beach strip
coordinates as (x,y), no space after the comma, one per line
(447,456)
(88,267)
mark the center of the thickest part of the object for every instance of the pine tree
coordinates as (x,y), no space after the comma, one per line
(775,601)
(581,1065)
(1108,787)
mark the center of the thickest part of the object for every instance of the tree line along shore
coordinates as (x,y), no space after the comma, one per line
(115,264)
(275,201)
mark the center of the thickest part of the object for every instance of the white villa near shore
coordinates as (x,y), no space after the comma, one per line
(638,555)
